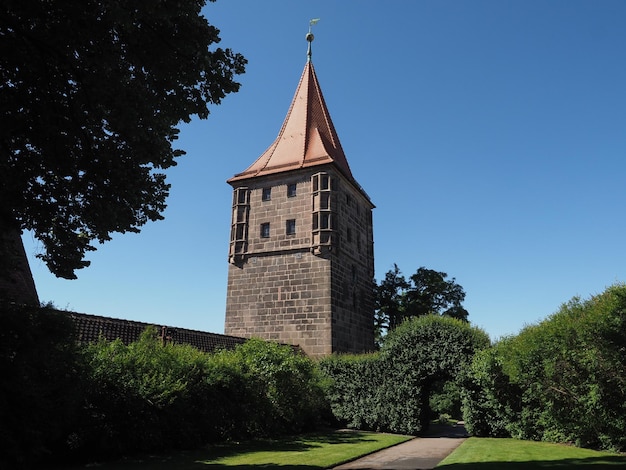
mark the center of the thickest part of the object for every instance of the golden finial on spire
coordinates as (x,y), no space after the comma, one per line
(310,37)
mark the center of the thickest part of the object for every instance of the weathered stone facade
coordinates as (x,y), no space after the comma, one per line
(313,287)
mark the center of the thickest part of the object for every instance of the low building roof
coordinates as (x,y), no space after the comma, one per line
(90,328)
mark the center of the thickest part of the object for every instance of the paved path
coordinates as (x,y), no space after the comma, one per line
(420,453)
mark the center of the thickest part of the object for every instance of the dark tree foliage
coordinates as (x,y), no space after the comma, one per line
(430,292)
(91,94)
(40,371)
(426,292)
(389,298)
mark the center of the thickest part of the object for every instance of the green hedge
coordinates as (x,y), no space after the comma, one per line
(390,390)
(59,402)
(562,380)
(39,366)
(148,396)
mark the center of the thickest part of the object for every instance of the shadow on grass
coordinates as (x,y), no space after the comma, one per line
(445,430)
(205,458)
(611,463)
(212,466)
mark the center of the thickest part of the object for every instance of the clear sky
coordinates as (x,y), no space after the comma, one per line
(491,135)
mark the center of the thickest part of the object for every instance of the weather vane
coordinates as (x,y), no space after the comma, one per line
(310,37)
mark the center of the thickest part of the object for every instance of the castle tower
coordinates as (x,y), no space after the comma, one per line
(301,245)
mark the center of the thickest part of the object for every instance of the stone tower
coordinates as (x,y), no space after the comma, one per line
(301,243)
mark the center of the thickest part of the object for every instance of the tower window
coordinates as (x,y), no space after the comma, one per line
(290,228)
(324,221)
(265,230)
(241,213)
(324,184)
(241,195)
(349,235)
(325,201)
(239,232)
(291,190)
(267,194)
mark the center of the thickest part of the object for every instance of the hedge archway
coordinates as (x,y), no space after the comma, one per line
(390,390)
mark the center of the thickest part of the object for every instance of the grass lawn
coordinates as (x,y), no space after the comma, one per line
(512,454)
(312,451)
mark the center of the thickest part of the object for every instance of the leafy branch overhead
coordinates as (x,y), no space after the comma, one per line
(91,98)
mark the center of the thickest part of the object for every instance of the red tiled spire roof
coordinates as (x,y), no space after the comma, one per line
(307,137)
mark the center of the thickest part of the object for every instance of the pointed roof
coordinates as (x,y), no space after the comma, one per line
(307,137)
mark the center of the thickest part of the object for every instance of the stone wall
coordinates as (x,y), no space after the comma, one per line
(282,297)
(313,287)
(16,280)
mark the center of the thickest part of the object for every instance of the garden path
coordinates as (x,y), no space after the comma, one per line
(419,453)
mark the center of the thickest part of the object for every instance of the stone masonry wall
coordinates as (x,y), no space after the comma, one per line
(284,297)
(16,279)
(353,273)
(281,291)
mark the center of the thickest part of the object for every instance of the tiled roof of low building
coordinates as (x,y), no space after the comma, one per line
(92,327)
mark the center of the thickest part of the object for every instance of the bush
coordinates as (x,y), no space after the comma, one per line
(390,391)
(148,396)
(285,386)
(563,380)
(490,401)
(354,390)
(445,399)
(142,396)
(38,396)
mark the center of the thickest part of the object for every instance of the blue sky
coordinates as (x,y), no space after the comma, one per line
(491,135)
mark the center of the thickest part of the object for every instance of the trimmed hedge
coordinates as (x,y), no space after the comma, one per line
(59,402)
(148,396)
(562,380)
(390,390)
(39,366)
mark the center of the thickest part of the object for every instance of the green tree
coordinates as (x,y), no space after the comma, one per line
(426,292)
(91,95)
(431,293)
(389,302)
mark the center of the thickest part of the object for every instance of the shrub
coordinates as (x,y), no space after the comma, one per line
(355,389)
(39,368)
(142,396)
(390,391)
(445,399)
(490,401)
(562,380)
(285,386)
(148,396)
